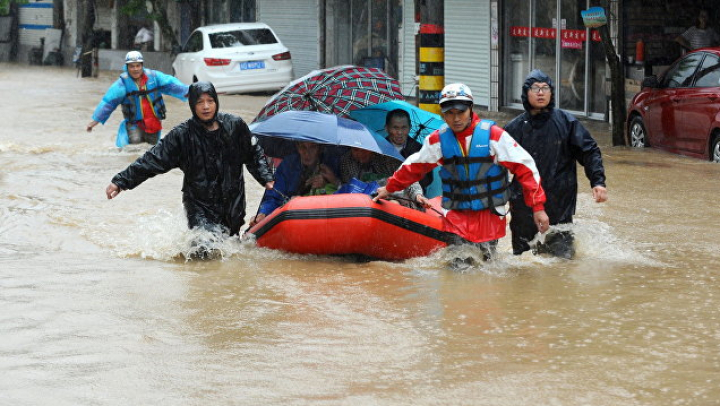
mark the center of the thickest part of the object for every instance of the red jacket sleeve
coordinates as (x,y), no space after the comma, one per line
(520,163)
(417,165)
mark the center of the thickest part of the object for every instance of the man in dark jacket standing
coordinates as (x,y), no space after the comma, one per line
(211,149)
(556,140)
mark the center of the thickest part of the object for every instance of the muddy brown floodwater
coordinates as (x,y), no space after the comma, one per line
(100,309)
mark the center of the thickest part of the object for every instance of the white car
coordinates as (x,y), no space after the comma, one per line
(236,58)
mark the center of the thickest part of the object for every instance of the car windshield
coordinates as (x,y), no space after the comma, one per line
(239,38)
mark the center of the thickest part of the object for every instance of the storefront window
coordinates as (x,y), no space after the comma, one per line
(573,47)
(518,46)
(365,33)
(544,34)
(549,35)
(370,33)
(598,81)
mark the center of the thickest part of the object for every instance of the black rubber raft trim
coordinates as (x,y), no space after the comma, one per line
(354,212)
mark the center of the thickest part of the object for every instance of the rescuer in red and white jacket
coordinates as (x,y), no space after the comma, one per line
(476,156)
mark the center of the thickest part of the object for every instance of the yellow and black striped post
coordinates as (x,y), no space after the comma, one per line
(432,66)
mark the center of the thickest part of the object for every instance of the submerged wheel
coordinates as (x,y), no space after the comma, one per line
(715,149)
(638,134)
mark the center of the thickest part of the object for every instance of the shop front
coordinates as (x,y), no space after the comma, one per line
(549,35)
(364,33)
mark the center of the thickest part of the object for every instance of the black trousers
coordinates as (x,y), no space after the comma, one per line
(523,229)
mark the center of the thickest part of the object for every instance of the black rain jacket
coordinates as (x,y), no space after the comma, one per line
(212,164)
(556,140)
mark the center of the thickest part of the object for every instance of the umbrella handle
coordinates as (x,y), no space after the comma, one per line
(419,130)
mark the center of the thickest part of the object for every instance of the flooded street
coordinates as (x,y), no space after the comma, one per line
(100,308)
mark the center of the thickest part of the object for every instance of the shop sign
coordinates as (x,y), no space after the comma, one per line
(594,17)
(551,33)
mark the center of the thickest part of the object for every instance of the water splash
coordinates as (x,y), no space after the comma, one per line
(596,244)
(164,236)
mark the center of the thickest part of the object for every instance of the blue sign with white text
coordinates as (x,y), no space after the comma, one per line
(594,17)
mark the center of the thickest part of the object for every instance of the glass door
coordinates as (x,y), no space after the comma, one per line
(544,33)
(549,35)
(573,43)
(374,40)
(517,50)
(598,77)
(364,33)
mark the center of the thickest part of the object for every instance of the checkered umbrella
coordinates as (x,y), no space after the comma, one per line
(335,90)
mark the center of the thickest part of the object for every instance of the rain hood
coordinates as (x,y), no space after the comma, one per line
(537,76)
(197,89)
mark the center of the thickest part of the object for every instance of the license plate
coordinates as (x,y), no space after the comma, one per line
(252,65)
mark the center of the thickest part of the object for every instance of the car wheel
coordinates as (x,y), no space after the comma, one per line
(715,149)
(638,134)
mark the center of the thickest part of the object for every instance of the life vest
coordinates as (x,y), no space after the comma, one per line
(131,107)
(472,182)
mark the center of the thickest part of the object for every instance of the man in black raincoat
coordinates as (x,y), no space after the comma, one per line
(211,149)
(556,140)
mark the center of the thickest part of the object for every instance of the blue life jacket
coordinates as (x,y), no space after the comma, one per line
(131,104)
(472,182)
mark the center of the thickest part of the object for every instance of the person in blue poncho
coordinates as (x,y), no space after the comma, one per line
(139,93)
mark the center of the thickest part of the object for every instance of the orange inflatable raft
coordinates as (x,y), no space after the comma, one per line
(352,224)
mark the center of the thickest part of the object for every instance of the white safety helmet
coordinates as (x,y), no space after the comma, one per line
(455,96)
(133,57)
(456,92)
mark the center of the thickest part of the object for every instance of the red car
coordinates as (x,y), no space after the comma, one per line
(680,111)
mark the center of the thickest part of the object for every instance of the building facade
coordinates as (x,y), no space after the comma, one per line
(489,44)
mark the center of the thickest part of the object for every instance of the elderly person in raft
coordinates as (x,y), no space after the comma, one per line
(368,166)
(307,172)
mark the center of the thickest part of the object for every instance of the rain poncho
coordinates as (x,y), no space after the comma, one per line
(212,162)
(118,94)
(556,140)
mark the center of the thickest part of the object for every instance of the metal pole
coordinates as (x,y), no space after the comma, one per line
(432,66)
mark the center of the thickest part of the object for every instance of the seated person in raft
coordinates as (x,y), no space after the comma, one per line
(368,166)
(397,127)
(308,172)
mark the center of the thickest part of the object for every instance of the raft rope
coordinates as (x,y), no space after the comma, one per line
(372,195)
